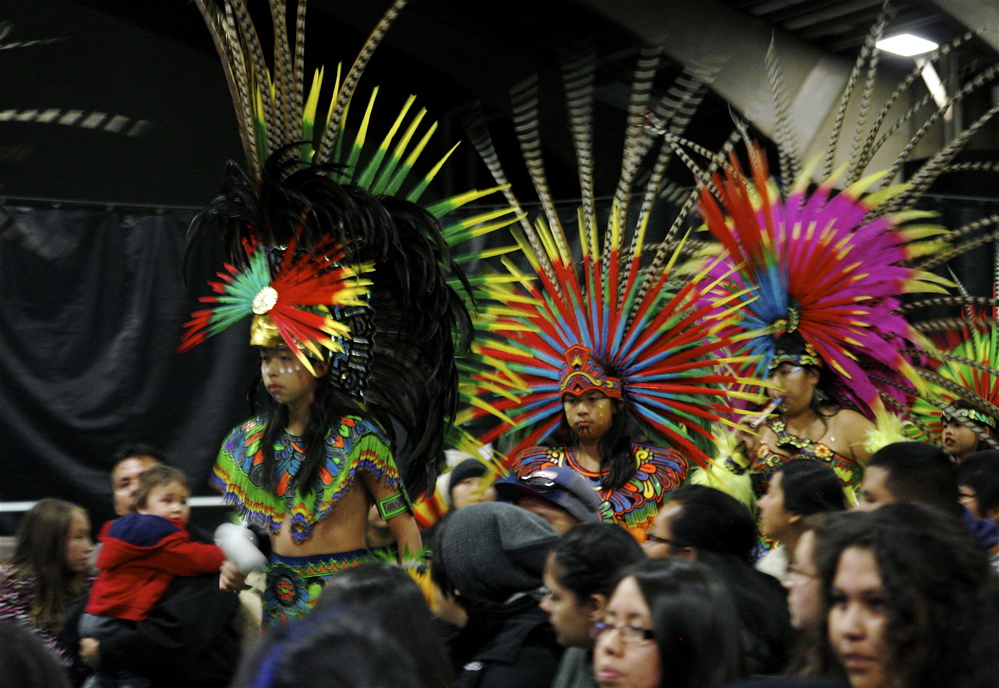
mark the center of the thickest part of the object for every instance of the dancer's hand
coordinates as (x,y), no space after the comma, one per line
(230,578)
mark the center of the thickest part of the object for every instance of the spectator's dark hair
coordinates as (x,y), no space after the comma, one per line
(586,560)
(712,521)
(40,554)
(695,622)
(387,596)
(723,532)
(615,446)
(918,473)
(941,599)
(135,450)
(330,647)
(810,487)
(153,478)
(980,472)
(25,662)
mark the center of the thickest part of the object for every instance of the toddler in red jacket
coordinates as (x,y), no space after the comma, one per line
(140,555)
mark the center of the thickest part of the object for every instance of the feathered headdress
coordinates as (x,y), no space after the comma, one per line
(343,202)
(831,265)
(604,318)
(816,265)
(962,377)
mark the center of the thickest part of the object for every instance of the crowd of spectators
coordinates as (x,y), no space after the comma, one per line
(529,587)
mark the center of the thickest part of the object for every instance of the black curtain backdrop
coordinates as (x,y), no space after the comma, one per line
(92,306)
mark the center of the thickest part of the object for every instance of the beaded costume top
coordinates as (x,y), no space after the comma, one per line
(352,446)
(633,506)
(767,461)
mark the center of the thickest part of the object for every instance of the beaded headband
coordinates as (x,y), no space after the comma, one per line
(581,374)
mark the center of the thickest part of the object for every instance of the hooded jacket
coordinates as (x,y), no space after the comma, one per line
(140,556)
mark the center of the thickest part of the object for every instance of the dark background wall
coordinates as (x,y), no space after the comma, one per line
(115,126)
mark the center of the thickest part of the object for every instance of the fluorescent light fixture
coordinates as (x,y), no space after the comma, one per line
(906,44)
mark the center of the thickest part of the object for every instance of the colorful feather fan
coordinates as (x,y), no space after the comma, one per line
(816,264)
(310,181)
(964,368)
(663,337)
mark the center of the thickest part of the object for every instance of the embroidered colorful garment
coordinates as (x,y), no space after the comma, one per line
(767,462)
(295,583)
(633,506)
(354,445)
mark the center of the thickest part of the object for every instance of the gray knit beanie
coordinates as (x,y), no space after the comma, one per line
(491,550)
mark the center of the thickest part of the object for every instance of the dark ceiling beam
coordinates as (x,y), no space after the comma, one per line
(981,16)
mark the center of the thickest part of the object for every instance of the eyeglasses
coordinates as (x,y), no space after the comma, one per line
(630,635)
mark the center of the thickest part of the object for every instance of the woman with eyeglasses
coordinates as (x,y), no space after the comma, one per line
(580,575)
(670,622)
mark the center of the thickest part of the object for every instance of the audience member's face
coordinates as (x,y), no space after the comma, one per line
(969,500)
(558,518)
(590,416)
(286,379)
(125,479)
(875,489)
(626,665)
(774,519)
(804,588)
(659,540)
(958,440)
(168,500)
(569,616)
(469,491)
(858,618)
(79,546)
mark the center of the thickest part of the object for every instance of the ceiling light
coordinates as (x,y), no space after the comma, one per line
(906,44)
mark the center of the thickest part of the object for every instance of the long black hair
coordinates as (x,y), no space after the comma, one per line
(617,463)
(941,598)
(694,620)
(329,405)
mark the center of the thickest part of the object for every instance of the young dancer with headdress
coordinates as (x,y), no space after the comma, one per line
(609,362)
(352,311)
(820,269)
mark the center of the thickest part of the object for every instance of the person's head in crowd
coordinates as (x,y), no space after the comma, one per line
(712,527)
(163,491)
(959,439)
(800,488)
(129,462)
(330,647)
(53,546)
(25,662)
(804,589)
(466,484)
(490,551)
(910,600)
(580,576)
(912,472)
(670,622)
(557,494)
(701,519)
(978,484)
(385,595)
